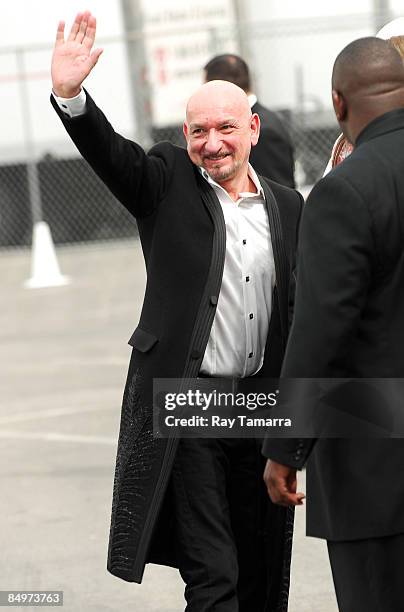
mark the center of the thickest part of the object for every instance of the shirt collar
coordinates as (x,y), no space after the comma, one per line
(251,173)
(388,122)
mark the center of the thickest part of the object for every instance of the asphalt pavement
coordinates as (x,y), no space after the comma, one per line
(64,356)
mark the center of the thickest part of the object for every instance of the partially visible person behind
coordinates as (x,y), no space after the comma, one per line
(349,323)
(393,32)
(272,156)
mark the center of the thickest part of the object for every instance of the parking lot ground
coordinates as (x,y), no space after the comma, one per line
(64,357)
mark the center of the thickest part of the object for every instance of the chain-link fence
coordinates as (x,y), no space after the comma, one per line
(41,178)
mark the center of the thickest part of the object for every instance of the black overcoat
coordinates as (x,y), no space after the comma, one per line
(349,323)
(183,239)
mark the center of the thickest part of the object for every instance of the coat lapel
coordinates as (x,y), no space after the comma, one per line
(280,257)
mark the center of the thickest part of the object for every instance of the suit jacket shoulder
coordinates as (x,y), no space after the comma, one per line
(271,119)
(272,156)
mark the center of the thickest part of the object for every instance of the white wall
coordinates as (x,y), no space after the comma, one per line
(285,37)
(175,60)
(306,37)
(302,37)
(288,9)
(34,23)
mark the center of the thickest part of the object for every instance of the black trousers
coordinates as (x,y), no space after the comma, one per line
(368,574)
(220,504)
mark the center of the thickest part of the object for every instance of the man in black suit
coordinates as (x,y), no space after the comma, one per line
(273,154)
(219,254)
(349,323)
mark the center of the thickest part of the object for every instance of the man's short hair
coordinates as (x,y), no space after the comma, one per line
(365,62)
(228,67)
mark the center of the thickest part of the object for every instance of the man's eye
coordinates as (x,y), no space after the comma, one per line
(226,127)
(196,131)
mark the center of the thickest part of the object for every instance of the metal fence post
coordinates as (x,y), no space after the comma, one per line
(381,13)
(138,80)
(32,168)
(45,271)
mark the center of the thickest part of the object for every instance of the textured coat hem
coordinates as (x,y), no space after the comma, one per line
(135,576)
(125,575)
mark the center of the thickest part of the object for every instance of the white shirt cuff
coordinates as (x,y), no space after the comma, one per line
(72,107)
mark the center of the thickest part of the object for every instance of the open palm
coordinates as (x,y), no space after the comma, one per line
(73,59)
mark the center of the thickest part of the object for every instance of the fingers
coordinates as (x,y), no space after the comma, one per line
(83,26)
(89,37)
(75,27)
(60,33)
(285,498)
(95,56)
(281,484)
(280,494)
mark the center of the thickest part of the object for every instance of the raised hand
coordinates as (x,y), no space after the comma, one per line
(73,59)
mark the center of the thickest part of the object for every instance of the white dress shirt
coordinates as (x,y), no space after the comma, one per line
(72,107)
(239,332)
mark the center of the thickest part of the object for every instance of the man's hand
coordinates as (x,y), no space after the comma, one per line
(73,59)
(281,483)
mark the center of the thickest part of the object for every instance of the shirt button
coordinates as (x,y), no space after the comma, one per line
(251,315)
(195,354)
(213,300)
(250,355)
(244,241)
(247,279)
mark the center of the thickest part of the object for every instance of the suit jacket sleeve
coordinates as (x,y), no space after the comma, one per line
(335,264)
(138,180)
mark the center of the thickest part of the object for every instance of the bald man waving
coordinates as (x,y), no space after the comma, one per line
(219,253)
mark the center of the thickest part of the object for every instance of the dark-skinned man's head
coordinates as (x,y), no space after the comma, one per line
(367,81)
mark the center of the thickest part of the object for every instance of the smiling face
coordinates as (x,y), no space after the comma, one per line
(220,130)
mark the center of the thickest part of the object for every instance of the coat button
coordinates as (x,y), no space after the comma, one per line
(213,300)
(195,354)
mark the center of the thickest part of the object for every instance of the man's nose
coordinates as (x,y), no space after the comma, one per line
(213,142)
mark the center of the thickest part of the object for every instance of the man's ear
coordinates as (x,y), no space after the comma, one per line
(340,107)
(185,130)
(255,129)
